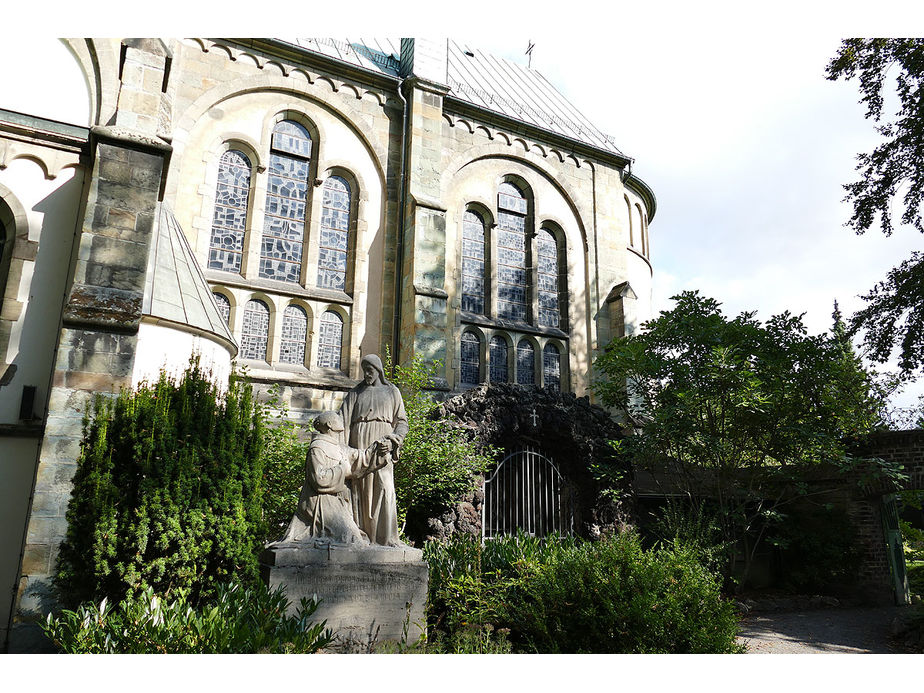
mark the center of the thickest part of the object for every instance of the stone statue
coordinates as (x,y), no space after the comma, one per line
(324,510)
(373,412)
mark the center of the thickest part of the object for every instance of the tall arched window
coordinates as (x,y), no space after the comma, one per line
(498,360)
(473,263)
(335,233)
(551,367)
(526,363)
(631,228)
(471,359)
(286,202)
(256,330)
(224,306)
(229,222)
(511,253)
(294,335)
(549,281)
(330,342)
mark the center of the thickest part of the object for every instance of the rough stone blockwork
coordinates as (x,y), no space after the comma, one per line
(573,432)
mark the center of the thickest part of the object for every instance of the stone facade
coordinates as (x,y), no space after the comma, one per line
(324,189)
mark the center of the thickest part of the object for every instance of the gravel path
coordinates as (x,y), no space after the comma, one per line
(840,630)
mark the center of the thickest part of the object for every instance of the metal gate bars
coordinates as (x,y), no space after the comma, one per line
(526,492)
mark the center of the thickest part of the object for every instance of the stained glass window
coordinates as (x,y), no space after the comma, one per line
(551,367)
(471,359)
(224,306)
(286,202)
(526,363)
(473,266)
(330,343)
(335,229)
(547,256)
(294,335)
(511,254)
(498,360)
(229,221)
(256,330)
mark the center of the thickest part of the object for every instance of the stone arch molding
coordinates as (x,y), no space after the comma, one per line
(276,83)
(487,152)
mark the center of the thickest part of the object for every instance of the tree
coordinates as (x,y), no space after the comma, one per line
(439,463)
(731,410)
(894,312)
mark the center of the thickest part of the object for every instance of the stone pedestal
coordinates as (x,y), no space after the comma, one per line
(366,593)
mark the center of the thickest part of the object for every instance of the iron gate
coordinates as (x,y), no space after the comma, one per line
(526,492)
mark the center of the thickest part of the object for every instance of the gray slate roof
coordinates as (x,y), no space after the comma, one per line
(497,84)
(175,288)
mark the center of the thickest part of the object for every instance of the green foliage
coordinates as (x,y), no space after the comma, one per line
(916,577)
(438,464)
(817,549)
(694,525)
(284,456)
(733,409)
(894,311)
(167,492)
(561,594)
(239,620)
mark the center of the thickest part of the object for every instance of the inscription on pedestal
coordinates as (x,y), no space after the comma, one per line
(365,594)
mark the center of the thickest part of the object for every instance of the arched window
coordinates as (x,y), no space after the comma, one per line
(471,359)
(330,342)
(473,263)
(549,286)
(551,367)
(294,335)
(335,230)
(641,229)
(498,360)
(286,202)
(229,222)
(526,363)
(631,229)
(224,306)
(511,253)
(256,330)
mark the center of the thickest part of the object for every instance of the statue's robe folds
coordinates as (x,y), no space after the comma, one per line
(324,508)
(370,412)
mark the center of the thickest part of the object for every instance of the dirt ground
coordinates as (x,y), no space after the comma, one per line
(863,630)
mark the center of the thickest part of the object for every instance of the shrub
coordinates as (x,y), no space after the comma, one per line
(239,620)
(916,577)
(167,492)
(283,463)
(562,595)
(817,548)
(439,464)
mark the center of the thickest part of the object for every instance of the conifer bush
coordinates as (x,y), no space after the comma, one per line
(167,492)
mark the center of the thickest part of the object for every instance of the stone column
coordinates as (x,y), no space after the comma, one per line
(98,337)
(424,326)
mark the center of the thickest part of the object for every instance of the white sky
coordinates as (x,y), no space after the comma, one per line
(725,110)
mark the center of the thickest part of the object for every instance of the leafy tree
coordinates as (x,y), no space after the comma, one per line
(439,463)
(283,462)
(733,409)
(894,311)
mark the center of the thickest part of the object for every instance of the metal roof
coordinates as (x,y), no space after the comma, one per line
(496,84)
(175,288)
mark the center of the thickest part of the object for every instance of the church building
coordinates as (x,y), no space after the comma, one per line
(287,206)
